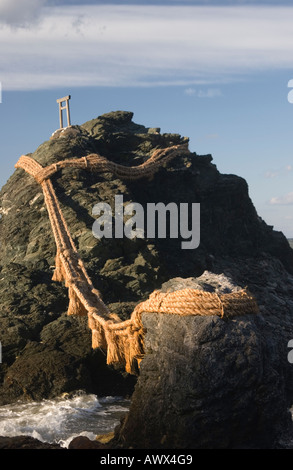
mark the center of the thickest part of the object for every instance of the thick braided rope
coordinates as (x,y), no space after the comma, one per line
(97,163)
(123,340)
(196,302)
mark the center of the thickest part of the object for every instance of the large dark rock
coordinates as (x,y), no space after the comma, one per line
(208,382)
(44,352)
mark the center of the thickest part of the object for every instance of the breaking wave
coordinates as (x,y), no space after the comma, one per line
(59,420)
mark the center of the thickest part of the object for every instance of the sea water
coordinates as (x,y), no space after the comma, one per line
(59,420)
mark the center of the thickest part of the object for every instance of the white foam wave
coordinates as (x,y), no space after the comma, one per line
(62,419)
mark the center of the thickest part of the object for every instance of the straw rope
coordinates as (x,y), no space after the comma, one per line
(97,163)
(123,341)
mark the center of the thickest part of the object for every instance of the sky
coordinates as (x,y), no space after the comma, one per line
(218,72)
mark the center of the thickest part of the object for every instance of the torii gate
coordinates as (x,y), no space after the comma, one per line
(61,107)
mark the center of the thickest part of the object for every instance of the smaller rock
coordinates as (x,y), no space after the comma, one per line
(25,442)
(206,382)
(105,438)
(82,442)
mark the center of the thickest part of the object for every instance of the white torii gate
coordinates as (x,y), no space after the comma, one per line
(65,100)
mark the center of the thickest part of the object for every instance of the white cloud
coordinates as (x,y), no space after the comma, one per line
(190,91)
(271,174)
(20,12)
(283,200)
(284,171)
(208,93)
(122,45)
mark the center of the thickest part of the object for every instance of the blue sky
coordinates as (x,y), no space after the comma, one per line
(217,72)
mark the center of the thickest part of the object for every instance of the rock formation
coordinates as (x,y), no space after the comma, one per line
(207,382)
(46,353)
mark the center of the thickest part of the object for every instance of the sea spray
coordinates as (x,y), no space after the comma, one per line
(59,420)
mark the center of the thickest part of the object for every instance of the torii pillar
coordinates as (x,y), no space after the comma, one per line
(65,106)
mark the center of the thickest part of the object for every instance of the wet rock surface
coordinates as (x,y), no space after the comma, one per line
(25,442)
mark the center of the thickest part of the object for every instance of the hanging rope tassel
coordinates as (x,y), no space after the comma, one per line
(115,350)
(98,338)
(75,306)
(59,274)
